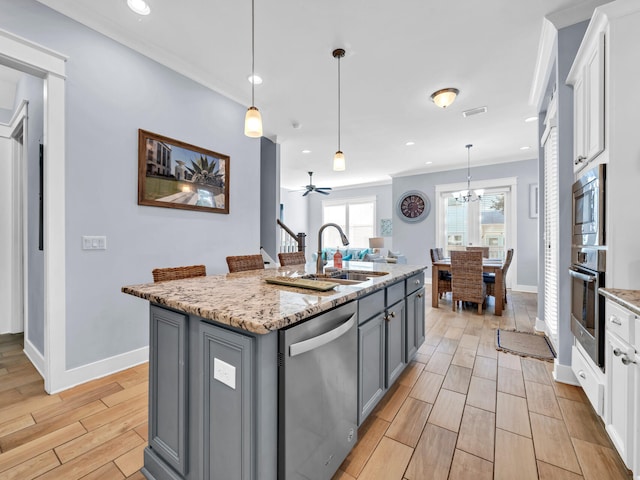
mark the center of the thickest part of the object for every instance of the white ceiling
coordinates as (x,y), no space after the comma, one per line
(397,54)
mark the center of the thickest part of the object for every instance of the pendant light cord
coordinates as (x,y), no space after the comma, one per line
(253,48)
(338,103)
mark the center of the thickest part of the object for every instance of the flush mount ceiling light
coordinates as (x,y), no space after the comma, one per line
(465,196)
(253,119)
(139,6)
(339,163)
(445,97)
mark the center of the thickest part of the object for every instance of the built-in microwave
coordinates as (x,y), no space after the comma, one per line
(589,208)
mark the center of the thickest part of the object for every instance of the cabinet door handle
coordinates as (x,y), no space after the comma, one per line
(387,318)
(417,282)
(419,295)
(626,360)
(393,314)
(613,319)
(617,352)
(580,159)
(582,375)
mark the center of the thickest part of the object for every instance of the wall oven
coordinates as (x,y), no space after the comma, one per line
(588,208)
(587,273)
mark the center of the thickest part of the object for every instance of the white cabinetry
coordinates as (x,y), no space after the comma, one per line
(621,375)
(588,79)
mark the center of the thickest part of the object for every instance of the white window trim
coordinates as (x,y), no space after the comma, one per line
(510,183)
(352,201)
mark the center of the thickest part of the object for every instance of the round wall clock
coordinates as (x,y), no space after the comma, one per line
(413,206)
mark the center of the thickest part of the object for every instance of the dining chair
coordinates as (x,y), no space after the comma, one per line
(466,278)
(291,258)
(490,280)
(242,263)
(178,273)
(444,277)
(484,250)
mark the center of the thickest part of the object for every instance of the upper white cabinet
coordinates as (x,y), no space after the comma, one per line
(587,76)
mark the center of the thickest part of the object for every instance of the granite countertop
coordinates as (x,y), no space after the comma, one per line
(629,299)
(244,300)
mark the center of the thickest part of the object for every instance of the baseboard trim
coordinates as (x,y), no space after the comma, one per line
(525,288)
(34,356)
(564,374)
(102,368)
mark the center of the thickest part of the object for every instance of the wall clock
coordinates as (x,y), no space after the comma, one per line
(413,206)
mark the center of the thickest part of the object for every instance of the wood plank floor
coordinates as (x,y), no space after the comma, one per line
(461,410)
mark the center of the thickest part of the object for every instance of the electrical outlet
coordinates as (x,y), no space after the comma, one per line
(94,242)
(225,373)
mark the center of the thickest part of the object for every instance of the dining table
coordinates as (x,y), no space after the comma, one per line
(489,265)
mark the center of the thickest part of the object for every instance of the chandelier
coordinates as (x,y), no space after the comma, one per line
(468,195)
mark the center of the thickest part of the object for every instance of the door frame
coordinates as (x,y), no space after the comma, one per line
(23,55)
(511,208)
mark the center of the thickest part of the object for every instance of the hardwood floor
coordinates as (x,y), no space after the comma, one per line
(461,410)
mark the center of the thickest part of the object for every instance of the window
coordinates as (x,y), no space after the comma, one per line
(486,223)
(355,216)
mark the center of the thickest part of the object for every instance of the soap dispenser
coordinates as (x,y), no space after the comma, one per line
(337,259)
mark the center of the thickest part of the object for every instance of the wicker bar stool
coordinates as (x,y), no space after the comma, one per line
(178,273)
(242,263)
(467,284)
(291,258)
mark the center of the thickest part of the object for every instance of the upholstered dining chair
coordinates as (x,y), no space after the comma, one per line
(178,273)
(467,284)
(484,250)
(291,258)
(444,277)
(490,280)
(242,263)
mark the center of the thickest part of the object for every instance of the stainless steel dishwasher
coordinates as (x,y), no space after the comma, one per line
(317,394)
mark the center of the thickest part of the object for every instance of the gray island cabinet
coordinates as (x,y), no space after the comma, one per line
(215,364)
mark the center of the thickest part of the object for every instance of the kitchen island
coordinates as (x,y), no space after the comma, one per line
(217,367)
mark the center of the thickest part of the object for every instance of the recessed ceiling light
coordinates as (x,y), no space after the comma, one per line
(408,144)
(306,151)
(139,6)
(530,119)
(428,163)
(526,147)
(255,79)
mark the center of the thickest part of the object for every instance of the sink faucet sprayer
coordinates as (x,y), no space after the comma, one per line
(343,237)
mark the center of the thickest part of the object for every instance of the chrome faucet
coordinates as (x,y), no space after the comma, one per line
(343,237)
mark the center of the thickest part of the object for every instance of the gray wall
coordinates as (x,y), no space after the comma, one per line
(31,88)
(415,240)
(111,93)
(568,41)
(269,195)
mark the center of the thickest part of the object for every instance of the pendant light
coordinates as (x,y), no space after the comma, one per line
(466,196)
(253,119)
(338,159)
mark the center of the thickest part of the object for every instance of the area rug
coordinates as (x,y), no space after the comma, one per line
(525,344)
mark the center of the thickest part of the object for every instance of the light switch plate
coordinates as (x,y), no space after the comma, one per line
(92,242)
(224,372)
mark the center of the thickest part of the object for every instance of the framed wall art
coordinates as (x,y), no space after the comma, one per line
(174,174)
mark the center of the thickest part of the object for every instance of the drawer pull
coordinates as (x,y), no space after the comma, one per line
(613,319)
(617,352)
(417,282)
(582,375)
(393,314)
(419,295)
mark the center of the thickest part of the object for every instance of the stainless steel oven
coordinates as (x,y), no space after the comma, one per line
(587,273)
(588,208)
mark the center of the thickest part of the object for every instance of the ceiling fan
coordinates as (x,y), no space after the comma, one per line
(312,188)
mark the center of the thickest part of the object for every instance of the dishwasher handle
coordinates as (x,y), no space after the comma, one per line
(582,276)
(320,340)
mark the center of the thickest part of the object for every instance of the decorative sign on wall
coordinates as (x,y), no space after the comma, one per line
(174,174)
(386,227)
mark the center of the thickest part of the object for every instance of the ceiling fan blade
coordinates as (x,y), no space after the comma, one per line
(323,193)
(323,188)
(306,193)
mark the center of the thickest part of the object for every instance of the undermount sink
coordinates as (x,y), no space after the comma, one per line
(346,277)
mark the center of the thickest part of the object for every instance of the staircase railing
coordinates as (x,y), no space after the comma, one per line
(290,241)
